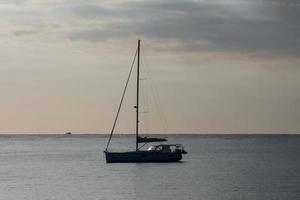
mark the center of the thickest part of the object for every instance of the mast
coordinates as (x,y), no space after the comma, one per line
(137,97)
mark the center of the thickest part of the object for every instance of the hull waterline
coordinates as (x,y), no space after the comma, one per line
(141,156)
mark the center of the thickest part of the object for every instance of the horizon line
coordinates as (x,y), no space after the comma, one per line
(179,133)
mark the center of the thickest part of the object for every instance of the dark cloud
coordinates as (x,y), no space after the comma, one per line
(24,33)
(266,26)
(93,11)
(95,35)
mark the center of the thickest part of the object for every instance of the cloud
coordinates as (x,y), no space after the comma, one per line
(269,27)
(95,35)
(24,33)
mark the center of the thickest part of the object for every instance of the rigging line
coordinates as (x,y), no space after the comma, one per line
(156,98)
(146,94)
(158,107)
(144,99)
(123,95)
(143,145)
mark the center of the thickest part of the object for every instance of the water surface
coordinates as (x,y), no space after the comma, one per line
(63,167)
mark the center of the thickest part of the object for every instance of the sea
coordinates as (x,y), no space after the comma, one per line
(217,167)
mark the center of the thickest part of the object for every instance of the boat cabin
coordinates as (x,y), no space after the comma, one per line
(167,148)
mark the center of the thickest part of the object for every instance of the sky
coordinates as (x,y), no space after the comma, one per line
(218,66)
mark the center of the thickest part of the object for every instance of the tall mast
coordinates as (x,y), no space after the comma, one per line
(137,96)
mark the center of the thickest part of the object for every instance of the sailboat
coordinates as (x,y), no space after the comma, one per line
(155,153)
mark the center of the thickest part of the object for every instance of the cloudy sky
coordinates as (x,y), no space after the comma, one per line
(218,66)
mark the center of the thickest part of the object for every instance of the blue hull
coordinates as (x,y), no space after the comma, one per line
(142,156)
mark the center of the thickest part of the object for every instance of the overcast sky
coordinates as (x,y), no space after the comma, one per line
(218,66)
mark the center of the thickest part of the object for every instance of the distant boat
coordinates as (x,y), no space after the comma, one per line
(68,133)
(155,153)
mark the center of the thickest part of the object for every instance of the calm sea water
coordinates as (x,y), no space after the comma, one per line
(72,167)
